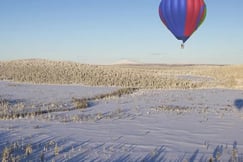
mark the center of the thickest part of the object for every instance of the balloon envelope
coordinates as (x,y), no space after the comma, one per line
(182,17)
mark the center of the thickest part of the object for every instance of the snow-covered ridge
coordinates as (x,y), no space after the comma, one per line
(128,75)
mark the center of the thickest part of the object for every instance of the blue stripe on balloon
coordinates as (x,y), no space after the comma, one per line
(179,16)
(170,7)
(167,13)
(174,14)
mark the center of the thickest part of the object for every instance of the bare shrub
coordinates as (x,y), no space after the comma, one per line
(85,102)
(56,150)
(28,150)
(118,93)
(6,155)
(80,103)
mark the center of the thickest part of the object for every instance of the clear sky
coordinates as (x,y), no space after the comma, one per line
(105,31)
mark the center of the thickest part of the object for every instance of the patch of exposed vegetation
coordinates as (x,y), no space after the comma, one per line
(181,110)
(177,109)
(19,109)
(117,93)
(84,117)
(82,103)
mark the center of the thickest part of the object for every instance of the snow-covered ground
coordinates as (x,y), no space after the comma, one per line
(148,125)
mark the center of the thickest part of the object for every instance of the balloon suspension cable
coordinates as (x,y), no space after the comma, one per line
(182,45)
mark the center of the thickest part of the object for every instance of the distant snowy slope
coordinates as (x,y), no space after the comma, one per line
(125,61)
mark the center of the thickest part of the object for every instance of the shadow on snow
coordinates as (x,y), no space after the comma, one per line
(238,104)
(45,148)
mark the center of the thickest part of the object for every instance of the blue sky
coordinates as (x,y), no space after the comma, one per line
(105,31)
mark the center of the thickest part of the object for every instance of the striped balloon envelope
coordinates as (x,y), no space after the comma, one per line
(182,17)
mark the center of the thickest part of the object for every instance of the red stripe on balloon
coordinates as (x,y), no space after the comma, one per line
(192,14)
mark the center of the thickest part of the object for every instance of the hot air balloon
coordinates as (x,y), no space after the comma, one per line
(182,17)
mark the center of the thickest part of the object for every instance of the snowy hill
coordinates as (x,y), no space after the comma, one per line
(124,61)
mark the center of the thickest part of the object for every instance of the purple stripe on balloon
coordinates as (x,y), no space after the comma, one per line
(200,16)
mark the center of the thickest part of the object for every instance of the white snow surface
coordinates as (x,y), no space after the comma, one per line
(148,125)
